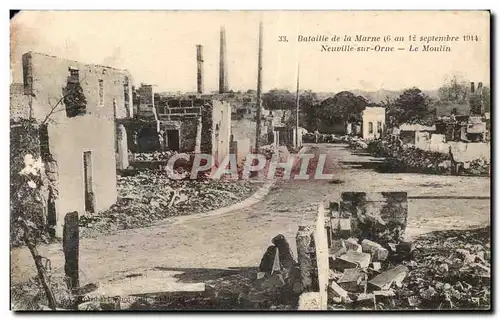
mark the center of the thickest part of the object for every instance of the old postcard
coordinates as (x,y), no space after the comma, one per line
(250,160)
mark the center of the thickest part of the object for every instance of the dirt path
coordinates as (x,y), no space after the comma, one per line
(239,238)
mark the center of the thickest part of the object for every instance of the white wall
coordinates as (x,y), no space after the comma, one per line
(373,115)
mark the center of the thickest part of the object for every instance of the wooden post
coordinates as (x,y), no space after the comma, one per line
(71,245)
(259,89)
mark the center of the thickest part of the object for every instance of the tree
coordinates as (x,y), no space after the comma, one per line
(455,91)
(412,106)
(344,106)
(277,99)
(308,104)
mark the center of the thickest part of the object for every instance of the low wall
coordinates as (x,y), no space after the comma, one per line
(462,151)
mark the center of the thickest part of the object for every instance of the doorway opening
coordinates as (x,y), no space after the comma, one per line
(89,192)
(173,140)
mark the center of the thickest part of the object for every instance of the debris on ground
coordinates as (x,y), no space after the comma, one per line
(441,270)
(150,195)
(371,266)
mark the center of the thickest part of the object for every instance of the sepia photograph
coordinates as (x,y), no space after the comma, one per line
(250,160)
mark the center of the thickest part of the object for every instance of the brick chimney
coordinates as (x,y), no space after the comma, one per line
(223,87)
(472,87)
(199,62)
(479,87)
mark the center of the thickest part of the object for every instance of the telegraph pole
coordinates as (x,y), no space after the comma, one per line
(259,88)
(297,100)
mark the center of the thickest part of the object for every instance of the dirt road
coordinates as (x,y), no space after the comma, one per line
(239,238)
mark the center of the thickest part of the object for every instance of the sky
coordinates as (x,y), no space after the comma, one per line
(159,47)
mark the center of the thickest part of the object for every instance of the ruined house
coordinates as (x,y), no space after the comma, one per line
(373,124)
(75,106)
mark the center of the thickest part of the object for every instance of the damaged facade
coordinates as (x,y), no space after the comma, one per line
(77,105)
(184,124)
(373,123)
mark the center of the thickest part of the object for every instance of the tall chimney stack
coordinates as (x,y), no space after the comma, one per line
(199,62)
(223,87)
(479,87)
(472,87)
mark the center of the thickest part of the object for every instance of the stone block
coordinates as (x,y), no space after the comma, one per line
(385,280)
(405,247)
(309,301)
(338,247)
(384,293)
(337,291)
(352,280)
(376,266)
(352,245)
(378,252)
(341,228)
(344,230)
(366,299)
(347,260)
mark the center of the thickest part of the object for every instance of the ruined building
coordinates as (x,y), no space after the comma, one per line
(201,124)
(373,124)
(185,123)
(75,106)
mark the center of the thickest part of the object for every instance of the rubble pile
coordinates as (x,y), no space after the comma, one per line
(276,285)
(153,156)
(406,158)
(320,138)
(356,143)
(477,167)
(403,158)
(150,195)
(434,272)
(268,151)
(449,270)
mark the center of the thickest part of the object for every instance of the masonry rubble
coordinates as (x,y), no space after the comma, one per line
(390,272)
(276,283)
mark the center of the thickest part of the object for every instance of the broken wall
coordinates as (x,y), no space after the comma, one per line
(69,137)
(221,130)
(188,134)
(377,216)
(46,76)
(376,117)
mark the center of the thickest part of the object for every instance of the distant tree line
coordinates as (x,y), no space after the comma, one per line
(412,105)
